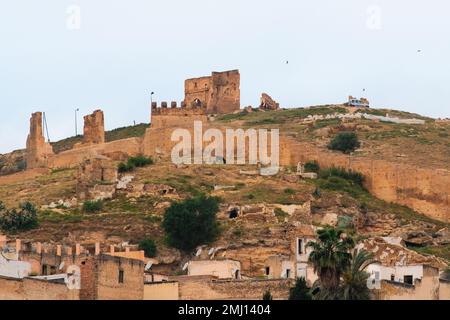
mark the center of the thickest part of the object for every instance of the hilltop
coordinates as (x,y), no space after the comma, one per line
(271,201)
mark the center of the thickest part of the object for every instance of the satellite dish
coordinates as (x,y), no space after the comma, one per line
(199,252)
(211,251)
(148,265)
(61,266)
(185,266)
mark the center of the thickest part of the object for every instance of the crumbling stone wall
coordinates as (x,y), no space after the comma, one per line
(32,289)
(96,178)
(424,190)
(94,128)
(267,103)
(38,151)
(201,288)
(219,93)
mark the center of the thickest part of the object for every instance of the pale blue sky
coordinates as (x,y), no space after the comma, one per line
(125,49)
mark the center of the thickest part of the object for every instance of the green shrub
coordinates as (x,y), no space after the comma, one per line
(134,162)
(353,176)
(25,218)
(267,296)
(300,291)
(280,214)
(191,222)
(92,206)
(140,161)
(125,167)
(345,141)
(312,166)
(289,191)
(149,247)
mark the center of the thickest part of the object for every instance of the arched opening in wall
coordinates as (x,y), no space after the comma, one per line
(233,213)
(197,103)
(237,274)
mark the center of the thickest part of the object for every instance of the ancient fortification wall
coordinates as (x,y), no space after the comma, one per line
(38,150)
(94,128)
(32,289)
(424,190)
(219,93)
(205,289)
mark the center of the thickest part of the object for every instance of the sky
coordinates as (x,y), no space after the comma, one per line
(58,55)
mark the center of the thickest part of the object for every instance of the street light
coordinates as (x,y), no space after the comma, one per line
(151,105)
(76,126)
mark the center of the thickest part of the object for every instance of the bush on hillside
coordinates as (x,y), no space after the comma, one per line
(92,206)
(21,219)
(134,162)
(149,247)
(345,141)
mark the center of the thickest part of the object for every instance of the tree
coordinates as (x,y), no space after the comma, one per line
(267,296)
(330,258)
(300,291)
(25,218)
(354,279)
(191,222)
(149,247)
(345,141)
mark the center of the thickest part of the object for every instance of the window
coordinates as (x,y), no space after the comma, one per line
(44,270)
(300,246)
(288,273)
(120,276)
(408,279)
(392,277)
(267,271)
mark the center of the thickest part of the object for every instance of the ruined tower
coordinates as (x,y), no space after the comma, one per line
(38,150)
(94,128)
(218,93)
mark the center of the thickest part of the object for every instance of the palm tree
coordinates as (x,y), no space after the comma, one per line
(330,258)
(354,279)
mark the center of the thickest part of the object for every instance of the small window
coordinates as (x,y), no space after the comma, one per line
(267,271)
(408,279)
(44,270)
(300,246)
(392,277)
(120,276)
(288,273)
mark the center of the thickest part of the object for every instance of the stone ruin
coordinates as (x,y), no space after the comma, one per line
(267,103)
(218,93)
(38,150)
(94,128)
(96,179)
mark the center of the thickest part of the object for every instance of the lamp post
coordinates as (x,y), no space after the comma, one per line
(151,103)
(76,125)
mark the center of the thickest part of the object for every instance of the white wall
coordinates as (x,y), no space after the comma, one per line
(14,268)
(223,269)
